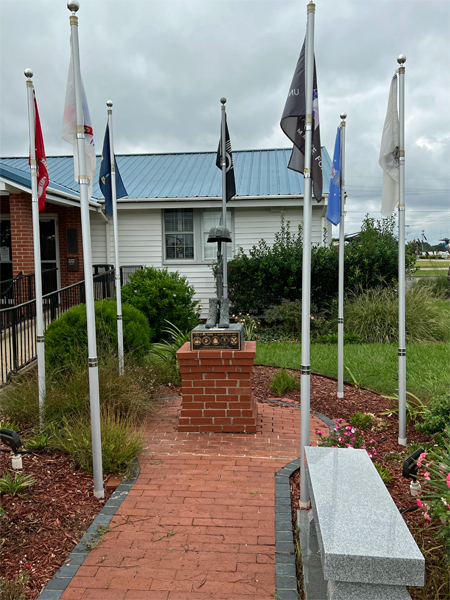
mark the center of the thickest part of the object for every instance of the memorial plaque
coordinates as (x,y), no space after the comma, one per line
(231,338)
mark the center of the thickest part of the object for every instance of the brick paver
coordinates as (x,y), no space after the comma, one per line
(198,523)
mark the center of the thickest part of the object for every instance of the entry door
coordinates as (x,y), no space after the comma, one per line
(49,255)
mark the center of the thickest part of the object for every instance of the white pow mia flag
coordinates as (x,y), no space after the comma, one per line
(229,180)
(389,160)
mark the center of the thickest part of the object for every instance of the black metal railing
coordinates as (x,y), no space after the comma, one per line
(126,271)
(22,288)
(18,323)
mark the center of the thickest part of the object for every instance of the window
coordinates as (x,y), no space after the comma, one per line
(179,233)
(186,234)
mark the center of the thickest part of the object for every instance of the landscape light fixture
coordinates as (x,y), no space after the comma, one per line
(409,471)
(11,439)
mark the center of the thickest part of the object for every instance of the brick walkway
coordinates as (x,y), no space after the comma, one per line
(198,523)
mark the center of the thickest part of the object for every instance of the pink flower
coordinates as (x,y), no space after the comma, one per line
(420,459)
(419,503)
(427,475)
(319,432)
(448,480)
(27,566)
(427,518)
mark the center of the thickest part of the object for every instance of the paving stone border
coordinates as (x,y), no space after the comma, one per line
(56,586)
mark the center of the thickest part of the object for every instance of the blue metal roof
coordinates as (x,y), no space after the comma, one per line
(181,175)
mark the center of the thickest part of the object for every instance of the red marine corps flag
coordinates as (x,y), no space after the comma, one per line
(41,161)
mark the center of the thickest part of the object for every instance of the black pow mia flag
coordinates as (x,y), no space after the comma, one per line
(229,179)
(293,124)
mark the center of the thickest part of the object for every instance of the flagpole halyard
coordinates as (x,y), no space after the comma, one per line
(401,258)
(109,104)
(73,5)
(340,390)
(36,246)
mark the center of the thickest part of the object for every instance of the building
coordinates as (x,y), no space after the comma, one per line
(173,201)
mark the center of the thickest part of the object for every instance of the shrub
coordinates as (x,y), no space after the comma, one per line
(251,326)
(287,317)
(283,382)
(346,436)
(66,338)
(361,420)
(15,484)
(67,395)
(373,316)
(162,296)
(436,417)
(121,441)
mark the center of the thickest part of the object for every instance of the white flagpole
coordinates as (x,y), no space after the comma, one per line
(305,381)
(116,241)
(340,391)
(224,199)
(37,247)
(401,258)
(73,5)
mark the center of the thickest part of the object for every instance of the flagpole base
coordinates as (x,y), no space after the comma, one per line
(305,504)
(402,441)
(340,394)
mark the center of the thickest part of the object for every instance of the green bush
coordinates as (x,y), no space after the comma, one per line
(287,317)
(66,338)
(437,416)
(162,296)
(121,441)
(373,316)
(265,276)
(361,420)
(283,382)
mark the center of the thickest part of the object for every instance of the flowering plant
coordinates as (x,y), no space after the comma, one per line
(347,436)
(435,496)
(251,325)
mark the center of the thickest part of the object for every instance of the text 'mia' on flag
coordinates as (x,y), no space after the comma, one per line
(334,195)
(69,128)
(229,179)
(389,159)
(41,161)
(293,124)
(104,179)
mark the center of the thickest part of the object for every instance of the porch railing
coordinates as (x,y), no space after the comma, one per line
(18,323)
(22,288)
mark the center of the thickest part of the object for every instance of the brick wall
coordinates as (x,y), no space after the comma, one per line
(217,390)
(22,249)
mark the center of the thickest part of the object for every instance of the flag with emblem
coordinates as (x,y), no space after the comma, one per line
(389,159)
(334,195)
(69,128)
(105,176)
(230,182)
(41,161)
(293,124)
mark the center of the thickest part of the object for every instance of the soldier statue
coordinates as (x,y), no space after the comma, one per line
(219,308)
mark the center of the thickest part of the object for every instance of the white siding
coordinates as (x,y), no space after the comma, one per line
(98,239)
(254,224)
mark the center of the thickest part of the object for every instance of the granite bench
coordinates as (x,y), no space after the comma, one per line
(364,549)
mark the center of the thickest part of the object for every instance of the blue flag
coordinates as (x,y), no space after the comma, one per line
(334,196)
(105,176)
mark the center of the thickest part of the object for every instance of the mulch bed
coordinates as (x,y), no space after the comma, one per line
(41,529)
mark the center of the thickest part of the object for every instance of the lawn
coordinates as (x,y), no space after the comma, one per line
(374,366)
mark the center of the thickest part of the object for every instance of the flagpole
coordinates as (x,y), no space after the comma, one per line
(224,199)
(37,246)
(73,6)
(340,390)
(305,378)
(401,259)
(116,241)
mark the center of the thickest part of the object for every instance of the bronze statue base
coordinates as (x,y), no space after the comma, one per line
(231,338)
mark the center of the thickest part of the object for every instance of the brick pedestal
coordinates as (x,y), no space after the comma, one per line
(217,390)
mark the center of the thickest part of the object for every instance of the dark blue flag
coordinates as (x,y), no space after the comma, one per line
(334,196)
(105,176)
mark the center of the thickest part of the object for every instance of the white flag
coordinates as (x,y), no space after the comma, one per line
(389,160)
(69,128)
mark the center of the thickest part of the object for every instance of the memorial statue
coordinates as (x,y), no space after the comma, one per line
(219,308)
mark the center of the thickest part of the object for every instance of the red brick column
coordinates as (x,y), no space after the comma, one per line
(217,390)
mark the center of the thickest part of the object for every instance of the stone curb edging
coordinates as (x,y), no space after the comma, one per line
(56,586)
(285,569)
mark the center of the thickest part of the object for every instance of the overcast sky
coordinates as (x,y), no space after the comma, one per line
(165,64)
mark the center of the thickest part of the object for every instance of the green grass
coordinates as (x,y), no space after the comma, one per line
(428,273)
(439,262)
(427,364)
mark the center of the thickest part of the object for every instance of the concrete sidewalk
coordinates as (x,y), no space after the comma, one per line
(199,523)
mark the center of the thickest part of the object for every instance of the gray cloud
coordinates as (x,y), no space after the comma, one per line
(166,63)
